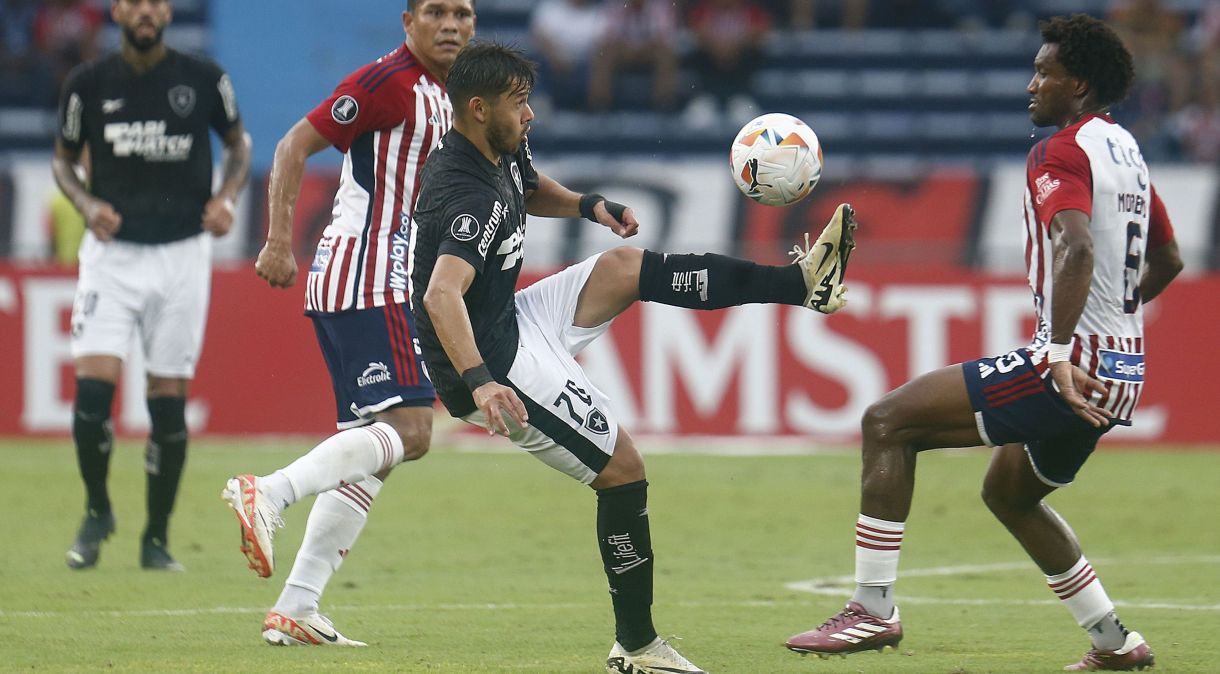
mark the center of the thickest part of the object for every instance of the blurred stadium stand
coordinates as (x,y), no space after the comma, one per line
(888,103)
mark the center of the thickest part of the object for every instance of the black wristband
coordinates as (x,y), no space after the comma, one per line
(587,203)
(477,376)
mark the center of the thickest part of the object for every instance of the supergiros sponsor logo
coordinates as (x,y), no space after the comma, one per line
(148,140)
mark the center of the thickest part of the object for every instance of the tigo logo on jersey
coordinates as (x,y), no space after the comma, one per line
(375,373)
(1119,366)
(344,109)
(465,227)
(1046,185)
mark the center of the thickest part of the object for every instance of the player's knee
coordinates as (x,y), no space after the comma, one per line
(416,436)
(623,261)
(94,398)
(884,425)
(167,416)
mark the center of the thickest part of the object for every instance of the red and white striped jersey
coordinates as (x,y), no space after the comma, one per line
(1095,166)
(386,118)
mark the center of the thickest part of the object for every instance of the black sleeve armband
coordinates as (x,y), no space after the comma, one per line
(590,200)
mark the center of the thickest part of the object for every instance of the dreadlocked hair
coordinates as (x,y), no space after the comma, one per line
(1092,51)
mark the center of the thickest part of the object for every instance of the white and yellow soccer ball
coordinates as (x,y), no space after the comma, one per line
(776,159)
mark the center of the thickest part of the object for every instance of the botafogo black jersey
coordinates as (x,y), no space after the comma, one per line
(475,210)
(147,135)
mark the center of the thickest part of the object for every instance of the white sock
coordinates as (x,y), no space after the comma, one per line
(348,456)
(1085,598)
(337,518)
(878,544)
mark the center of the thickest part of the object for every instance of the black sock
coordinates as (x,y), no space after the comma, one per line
(626,547)
(712,281)
(164,458)
(94,437)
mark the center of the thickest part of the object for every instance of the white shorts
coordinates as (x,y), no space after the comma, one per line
(571,426)
(159,291)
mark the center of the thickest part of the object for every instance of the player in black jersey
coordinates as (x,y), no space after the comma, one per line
(515,350)
(137,123)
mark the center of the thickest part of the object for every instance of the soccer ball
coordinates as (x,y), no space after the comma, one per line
(776,159)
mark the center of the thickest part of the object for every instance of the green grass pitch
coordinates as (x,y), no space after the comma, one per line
(487,562)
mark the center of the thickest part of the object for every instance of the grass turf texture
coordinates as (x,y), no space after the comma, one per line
(488,563)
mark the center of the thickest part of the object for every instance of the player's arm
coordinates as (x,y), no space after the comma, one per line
(451,278)
(552,200)
(1164,258)
(100,216)
(235,171)
(1072,274)
(276,262)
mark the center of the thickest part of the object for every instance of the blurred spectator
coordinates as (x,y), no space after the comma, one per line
(639,35)
(23,77)
(1196,127)
(565,33)
(728,48)
(1153,32)
(66,33)
(808,14)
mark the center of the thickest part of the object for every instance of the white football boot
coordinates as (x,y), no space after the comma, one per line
(314,629)
(259,518)
(657,657)
(825,263)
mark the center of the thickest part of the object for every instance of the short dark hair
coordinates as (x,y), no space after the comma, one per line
(1092,51)
(412,4)
(487,70)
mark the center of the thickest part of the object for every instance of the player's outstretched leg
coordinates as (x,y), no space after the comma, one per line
(712,281)
(825,263)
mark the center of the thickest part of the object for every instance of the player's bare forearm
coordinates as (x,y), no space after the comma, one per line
(287,170)
(235,167)
(552,200)
(1164,265)
(63,167)
(451,277)
(1072,272)
(100,216)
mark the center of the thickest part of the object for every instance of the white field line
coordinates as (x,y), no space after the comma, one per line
(829,585)
(842,586)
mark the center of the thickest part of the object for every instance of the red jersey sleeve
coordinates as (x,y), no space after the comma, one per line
(1062,179)
(1160,229)
(361,103)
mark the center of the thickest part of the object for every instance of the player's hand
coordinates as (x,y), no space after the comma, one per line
(276,265)
(1076,386)
(218,216)
(102,219)
(625,228)
(496,400)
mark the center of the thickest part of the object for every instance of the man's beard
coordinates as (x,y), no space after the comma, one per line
(142,44)
(500,139)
